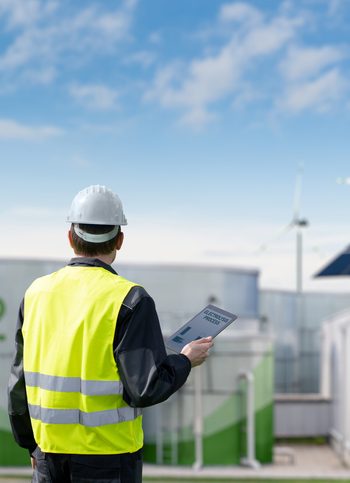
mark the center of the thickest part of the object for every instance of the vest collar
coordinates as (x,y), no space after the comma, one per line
(90,262)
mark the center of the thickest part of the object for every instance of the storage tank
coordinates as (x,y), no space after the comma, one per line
(180,291)
(172,435)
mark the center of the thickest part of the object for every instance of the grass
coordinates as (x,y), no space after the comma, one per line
(315,441)
(205,480)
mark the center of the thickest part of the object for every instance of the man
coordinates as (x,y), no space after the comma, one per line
(90,354)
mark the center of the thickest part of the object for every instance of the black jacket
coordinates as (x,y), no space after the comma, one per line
(148,374)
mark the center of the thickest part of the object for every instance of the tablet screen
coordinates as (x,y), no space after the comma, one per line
(208,322)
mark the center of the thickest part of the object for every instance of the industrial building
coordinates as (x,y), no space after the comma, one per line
(335,371)
(295,322)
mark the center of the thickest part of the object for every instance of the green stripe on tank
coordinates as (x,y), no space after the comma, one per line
(226,447)
(10,453)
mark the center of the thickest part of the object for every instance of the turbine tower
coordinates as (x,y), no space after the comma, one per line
(299,223)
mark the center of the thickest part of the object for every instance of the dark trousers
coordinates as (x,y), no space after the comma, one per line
(69,468)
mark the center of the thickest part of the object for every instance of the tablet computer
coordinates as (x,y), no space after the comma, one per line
(208,322)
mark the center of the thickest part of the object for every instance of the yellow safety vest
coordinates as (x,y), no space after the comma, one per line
(73,386)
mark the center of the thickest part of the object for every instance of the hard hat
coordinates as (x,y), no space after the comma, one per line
(97,205)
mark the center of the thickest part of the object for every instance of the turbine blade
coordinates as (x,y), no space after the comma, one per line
(297,192)
(285,229)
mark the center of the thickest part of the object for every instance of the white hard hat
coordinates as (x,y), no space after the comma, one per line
(97,205)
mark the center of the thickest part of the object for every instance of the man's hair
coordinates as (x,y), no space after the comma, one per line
(89,249)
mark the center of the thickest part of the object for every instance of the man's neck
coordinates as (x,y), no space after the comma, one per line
(108,259)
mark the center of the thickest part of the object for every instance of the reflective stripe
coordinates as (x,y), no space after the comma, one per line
(75,416)
(73,384)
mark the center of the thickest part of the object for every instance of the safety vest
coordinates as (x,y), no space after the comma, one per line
(72,382)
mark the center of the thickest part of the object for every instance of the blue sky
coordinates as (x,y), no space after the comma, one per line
(197,113)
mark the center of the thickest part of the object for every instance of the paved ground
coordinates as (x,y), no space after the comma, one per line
(294,461)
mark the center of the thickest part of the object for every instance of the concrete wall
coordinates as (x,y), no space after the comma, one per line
(302,415)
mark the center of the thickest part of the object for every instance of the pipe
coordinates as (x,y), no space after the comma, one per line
(159,435)
(250,460)
(198,419)
(175,429)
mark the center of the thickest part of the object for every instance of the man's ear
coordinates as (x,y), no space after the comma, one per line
(119,241)
(70,238)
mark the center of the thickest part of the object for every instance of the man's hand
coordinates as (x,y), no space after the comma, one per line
(198,350)
(33,461)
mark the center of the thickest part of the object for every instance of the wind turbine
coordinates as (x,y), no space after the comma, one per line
(297,223)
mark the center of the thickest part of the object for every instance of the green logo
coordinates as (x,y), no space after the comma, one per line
(2,311)
(2,308)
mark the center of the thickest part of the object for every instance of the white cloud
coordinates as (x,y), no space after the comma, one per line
(10,129)
(50,35)
(335,6)
(239,12)
(95,96)
(195,86)
(319,94)
(210,78)
(246,95)
(309,61)
(19,13)
(20,52)
(155,37)
(197,117)
(42,76)
(130,4)
(308,77)
(271,37)
(144,58)
(111,25)
(115,24)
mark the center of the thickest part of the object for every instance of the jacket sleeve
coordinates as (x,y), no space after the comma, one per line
(148,374)
(17,397)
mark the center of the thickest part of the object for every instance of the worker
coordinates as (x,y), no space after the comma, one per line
(89,355)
